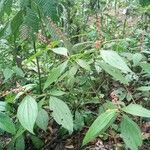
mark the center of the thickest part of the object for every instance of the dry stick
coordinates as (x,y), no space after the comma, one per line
(38,67)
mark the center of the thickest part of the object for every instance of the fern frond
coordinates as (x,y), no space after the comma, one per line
(31,20)
(48,8)
(16,22)
(24,32)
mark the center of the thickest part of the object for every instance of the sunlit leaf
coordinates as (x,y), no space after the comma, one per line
(83,64)
(61,51)
(27,113)
(131,133)
(117,75)
(144,88)
(55,92)
(61,113)
(137,110)
(3,106)
(137,58)
(113,59)
(42,119)
(100,125)
(146,67)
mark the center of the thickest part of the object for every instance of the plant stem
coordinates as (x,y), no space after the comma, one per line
(38,67)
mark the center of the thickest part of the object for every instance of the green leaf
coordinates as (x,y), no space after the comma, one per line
(61,113)
(83,64)
(27,113)
(55,92)
(1,147)
(144,88)
(48,7)
(55,74)
(5,7)
(137,110)
(8,73)
(3,106)
(61,51)
(137,58)
(38,143)
(11,145)
(114,72)
(6,124)
(71,76)
(20,143)
(146,67)
(42,119)
(113,59)
(18,71)
(100,125)
(16,23)
(129,96)
(6,30)
(131,133)
(78,121)
(31,20)
(144,3)
(19,132)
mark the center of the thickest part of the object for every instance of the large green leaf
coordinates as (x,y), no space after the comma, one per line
(131,133)
(27,113)
(61,113)
(114,72)
(137,110)
(42,119)
(55,74)
(100,125)
(113,59)
(6,123)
